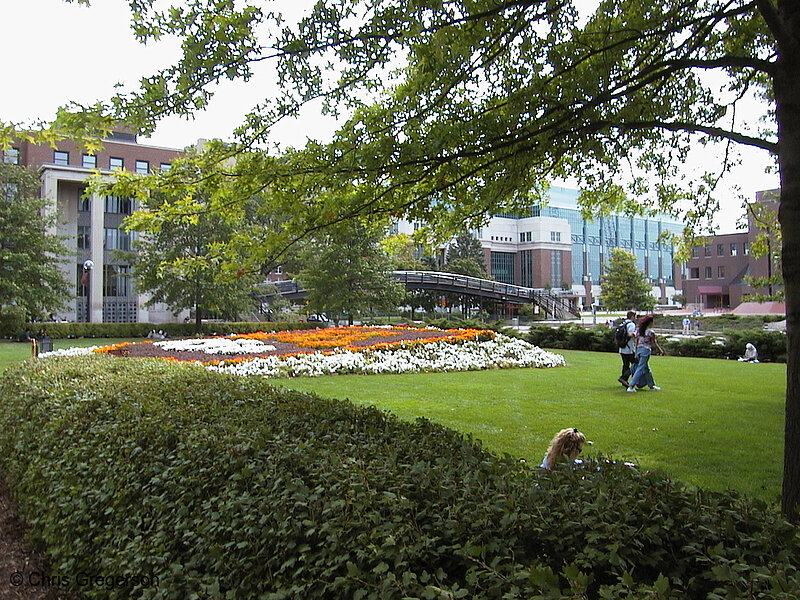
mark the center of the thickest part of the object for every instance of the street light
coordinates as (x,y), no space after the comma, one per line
(86,281)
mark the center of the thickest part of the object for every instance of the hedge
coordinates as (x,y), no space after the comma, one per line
(224,487)
(134,330)
(729,345)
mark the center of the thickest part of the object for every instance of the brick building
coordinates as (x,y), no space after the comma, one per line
(717,270)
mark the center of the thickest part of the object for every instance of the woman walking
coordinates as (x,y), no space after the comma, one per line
(645,341)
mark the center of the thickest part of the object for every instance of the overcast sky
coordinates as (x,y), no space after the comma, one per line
(57,51)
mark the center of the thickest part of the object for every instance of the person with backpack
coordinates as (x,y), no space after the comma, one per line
(646,342)
(625,338)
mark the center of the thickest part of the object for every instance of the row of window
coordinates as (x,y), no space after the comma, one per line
(117,281)
(694,272)
(722,250)
(119,205)
(113,239)
(89,161)
(525,236)
(115,163)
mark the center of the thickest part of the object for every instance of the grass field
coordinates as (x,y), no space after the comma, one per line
(716,424)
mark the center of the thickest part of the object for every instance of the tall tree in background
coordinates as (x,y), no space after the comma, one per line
(347,272)
(625,287)
(188,262)
(30,278)
(494,99)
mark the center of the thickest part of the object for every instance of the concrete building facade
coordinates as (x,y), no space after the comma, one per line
(91,226)
(554,246)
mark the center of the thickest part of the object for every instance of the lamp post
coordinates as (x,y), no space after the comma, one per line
(86,280)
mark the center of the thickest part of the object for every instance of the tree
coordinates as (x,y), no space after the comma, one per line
(466,254)
(30,277)
(624,286)
(347,272)
(494,98)
(188,263)
(763,216)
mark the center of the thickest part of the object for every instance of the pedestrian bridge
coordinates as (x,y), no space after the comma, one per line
(551,303)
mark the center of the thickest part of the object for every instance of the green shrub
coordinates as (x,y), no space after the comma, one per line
(12,321)
(224,487)
(134,330)
(730,345)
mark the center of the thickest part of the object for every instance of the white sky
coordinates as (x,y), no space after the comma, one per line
(56,52)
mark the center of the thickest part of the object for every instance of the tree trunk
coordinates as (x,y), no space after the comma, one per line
(787,96)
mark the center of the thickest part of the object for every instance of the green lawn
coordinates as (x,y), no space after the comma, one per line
(715,424)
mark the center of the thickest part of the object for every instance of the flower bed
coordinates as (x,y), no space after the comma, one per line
(344,350)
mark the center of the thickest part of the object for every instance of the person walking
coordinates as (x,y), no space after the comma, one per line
(645,342)
(628,352)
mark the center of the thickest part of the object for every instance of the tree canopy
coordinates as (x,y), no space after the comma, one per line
(347,272)
(30,277)
(625,287)
(457,109)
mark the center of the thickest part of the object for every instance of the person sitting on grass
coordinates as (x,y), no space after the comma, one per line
(566,443)
(750,354)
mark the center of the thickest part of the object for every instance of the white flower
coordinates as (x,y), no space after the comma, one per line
(69,352)
(501,352)
(216,346)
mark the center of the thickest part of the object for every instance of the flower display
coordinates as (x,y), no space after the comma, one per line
(217,345)
(439,356)
(363,350)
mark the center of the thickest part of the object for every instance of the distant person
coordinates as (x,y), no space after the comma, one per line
(566,443)
(687,325)
(750,354)
(645,342)
(628,352)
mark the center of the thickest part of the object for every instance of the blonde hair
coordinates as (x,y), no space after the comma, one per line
(567,442)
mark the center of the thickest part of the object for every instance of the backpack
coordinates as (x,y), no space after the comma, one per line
(621,336)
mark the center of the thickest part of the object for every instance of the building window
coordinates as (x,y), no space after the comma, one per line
(166,166)
(746,248)
(555,236)
(84,237)
(721,272)
(696,252)
(119,205)
(707,250)
(84,204)
(60,158)
(555,268)
(522,237)
(528,236)
(526,268)
(117,280)
(734,251)
(10,191)
(11,156)
(142,167)
(694,272)
(117,239)
(115,163)
(502,264)
(709,273)
(720,249)
(89,161)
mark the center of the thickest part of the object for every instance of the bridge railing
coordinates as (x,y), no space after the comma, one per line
(550,302)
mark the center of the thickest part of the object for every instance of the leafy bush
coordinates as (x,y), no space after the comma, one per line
(134,330)
(771,344)
(12,321)
(224,487)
